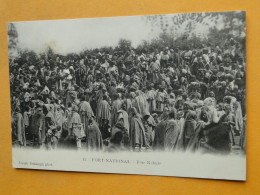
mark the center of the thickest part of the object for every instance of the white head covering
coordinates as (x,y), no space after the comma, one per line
(208,101)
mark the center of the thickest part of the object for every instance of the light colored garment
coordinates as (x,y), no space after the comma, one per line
(160,98)
(154,69)
(26,119)
(180,124)
(151,94)
(18,128)
(148,133)
(137,133)
(128,103)
(103,112)
(86,113)
(59,117)
(117,104)
(141,105)
(74,119)
(94,138)
(238,117)
(122,115)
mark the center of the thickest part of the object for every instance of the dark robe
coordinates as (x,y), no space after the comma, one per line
(189,131)
(137,133)
(148,133)
(159,136)
(99,99)
(120,127)
(176,58)
(171,135)
(129,105)
(194,142)
(217,136)
(112,91)
(37,123)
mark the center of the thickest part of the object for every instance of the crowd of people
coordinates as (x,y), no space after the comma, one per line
(187,99)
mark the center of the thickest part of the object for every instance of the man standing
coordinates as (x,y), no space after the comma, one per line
(94,138)
(37,126)
(171,133)
(18,127)
(75,127)
(85,112)
(137,131)
(115,107)
(103,112)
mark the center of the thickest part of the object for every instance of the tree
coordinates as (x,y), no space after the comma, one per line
(125,44)
(12,36)
(48,53)
(198,24)
(12,41)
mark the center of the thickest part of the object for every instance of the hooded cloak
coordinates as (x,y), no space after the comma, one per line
(85,112)
(171,135)
(159,137)
(117,104)
(121,114)
(151,94)
(94,138)
(137,131)
(18,128)
(119,126)
(37,124)
(141,104)
(103,113)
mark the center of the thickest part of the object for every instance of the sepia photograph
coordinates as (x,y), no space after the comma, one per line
(153,95)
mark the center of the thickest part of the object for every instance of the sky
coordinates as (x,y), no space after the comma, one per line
(66,36)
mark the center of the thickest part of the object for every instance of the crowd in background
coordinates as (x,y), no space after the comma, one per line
(189,99)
